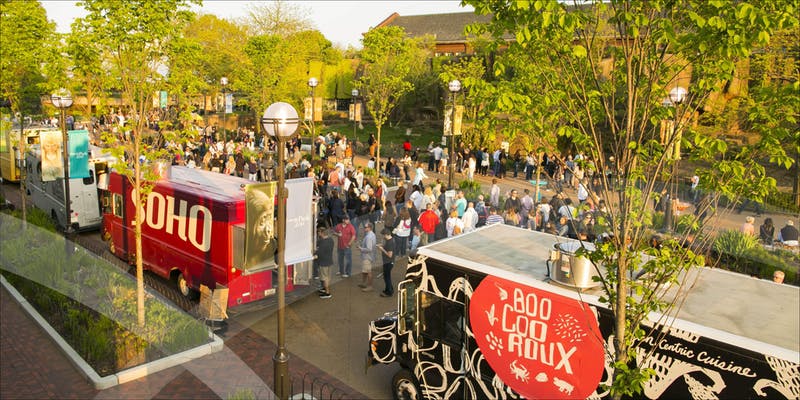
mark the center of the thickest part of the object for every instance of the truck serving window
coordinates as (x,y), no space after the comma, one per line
(408,306)
(442,319)
(118,205)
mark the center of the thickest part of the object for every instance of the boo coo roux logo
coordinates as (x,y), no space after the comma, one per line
(541,344)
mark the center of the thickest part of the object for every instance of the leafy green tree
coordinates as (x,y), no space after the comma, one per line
(222,44)
(278,68)
(603,72)
(136,35)
(26,38)
(88,74)
(389,60)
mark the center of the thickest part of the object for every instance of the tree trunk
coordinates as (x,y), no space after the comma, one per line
(620,347)
(23,141)
(137,229)
(796,186)
(378,151)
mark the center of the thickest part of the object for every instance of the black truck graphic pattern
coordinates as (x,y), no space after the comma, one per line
(440,349)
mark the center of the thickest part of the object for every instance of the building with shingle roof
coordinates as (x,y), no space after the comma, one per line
(447,29)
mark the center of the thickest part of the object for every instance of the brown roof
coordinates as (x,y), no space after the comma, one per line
(446,28)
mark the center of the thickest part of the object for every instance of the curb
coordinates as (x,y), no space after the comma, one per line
(130,374)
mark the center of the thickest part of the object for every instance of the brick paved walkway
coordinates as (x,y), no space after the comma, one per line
(32,367)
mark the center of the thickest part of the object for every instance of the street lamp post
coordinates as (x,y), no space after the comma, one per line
(280,121)
(312,83)
(676,96)
(224,82)
(454,86)
(63,100)
(354,93)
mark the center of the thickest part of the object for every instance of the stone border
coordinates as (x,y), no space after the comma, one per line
(130,374)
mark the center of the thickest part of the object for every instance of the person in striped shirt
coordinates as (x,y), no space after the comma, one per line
(493,217)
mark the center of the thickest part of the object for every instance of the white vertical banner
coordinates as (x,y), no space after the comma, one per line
(300,229)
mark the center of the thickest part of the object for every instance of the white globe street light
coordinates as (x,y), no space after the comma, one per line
(280,121)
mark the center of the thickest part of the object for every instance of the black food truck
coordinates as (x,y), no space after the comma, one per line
(507,313)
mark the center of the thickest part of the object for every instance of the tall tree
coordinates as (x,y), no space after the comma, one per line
(26,38)
(136,34)
(88,74)
(280,18)
(389,59)
(605,69)
(222,44)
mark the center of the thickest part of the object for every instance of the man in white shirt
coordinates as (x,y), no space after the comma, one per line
(417,199)
(494,194)
(470,218)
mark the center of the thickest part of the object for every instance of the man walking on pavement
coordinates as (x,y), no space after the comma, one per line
(324,260)
(367,257)
(347,235)
(387,256)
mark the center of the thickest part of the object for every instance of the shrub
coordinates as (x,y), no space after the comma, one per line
(687,223)
(732,247)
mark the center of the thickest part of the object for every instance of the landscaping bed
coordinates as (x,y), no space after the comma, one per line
(91,303)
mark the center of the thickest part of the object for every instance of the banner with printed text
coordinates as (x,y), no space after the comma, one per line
(300,229)
(78,154)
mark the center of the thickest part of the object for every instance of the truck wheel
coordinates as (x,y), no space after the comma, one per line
(405,386)
(184,287)
(55,220)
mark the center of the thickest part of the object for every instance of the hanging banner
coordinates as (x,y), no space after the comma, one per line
(78,154)
(355,112)
(300,229)
(452,123)
(52,158)
(307,109)
(318,109)
(162,99)
(259,242)
(228,103)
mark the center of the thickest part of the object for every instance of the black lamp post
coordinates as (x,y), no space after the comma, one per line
(312,83)
(63,100)
(454,86)
(280,121)
(354,93)
(676,97)
(224,82)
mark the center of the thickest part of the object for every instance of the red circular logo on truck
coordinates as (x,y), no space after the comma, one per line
(541,344)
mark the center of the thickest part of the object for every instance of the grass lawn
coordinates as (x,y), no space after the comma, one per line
(391,137)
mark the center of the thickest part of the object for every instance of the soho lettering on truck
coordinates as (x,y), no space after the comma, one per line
(525,322)
(160,215)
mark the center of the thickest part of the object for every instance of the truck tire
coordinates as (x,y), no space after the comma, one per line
(54,217)
(405,386)
(184,288)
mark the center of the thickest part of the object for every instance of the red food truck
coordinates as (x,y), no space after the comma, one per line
(196,231)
